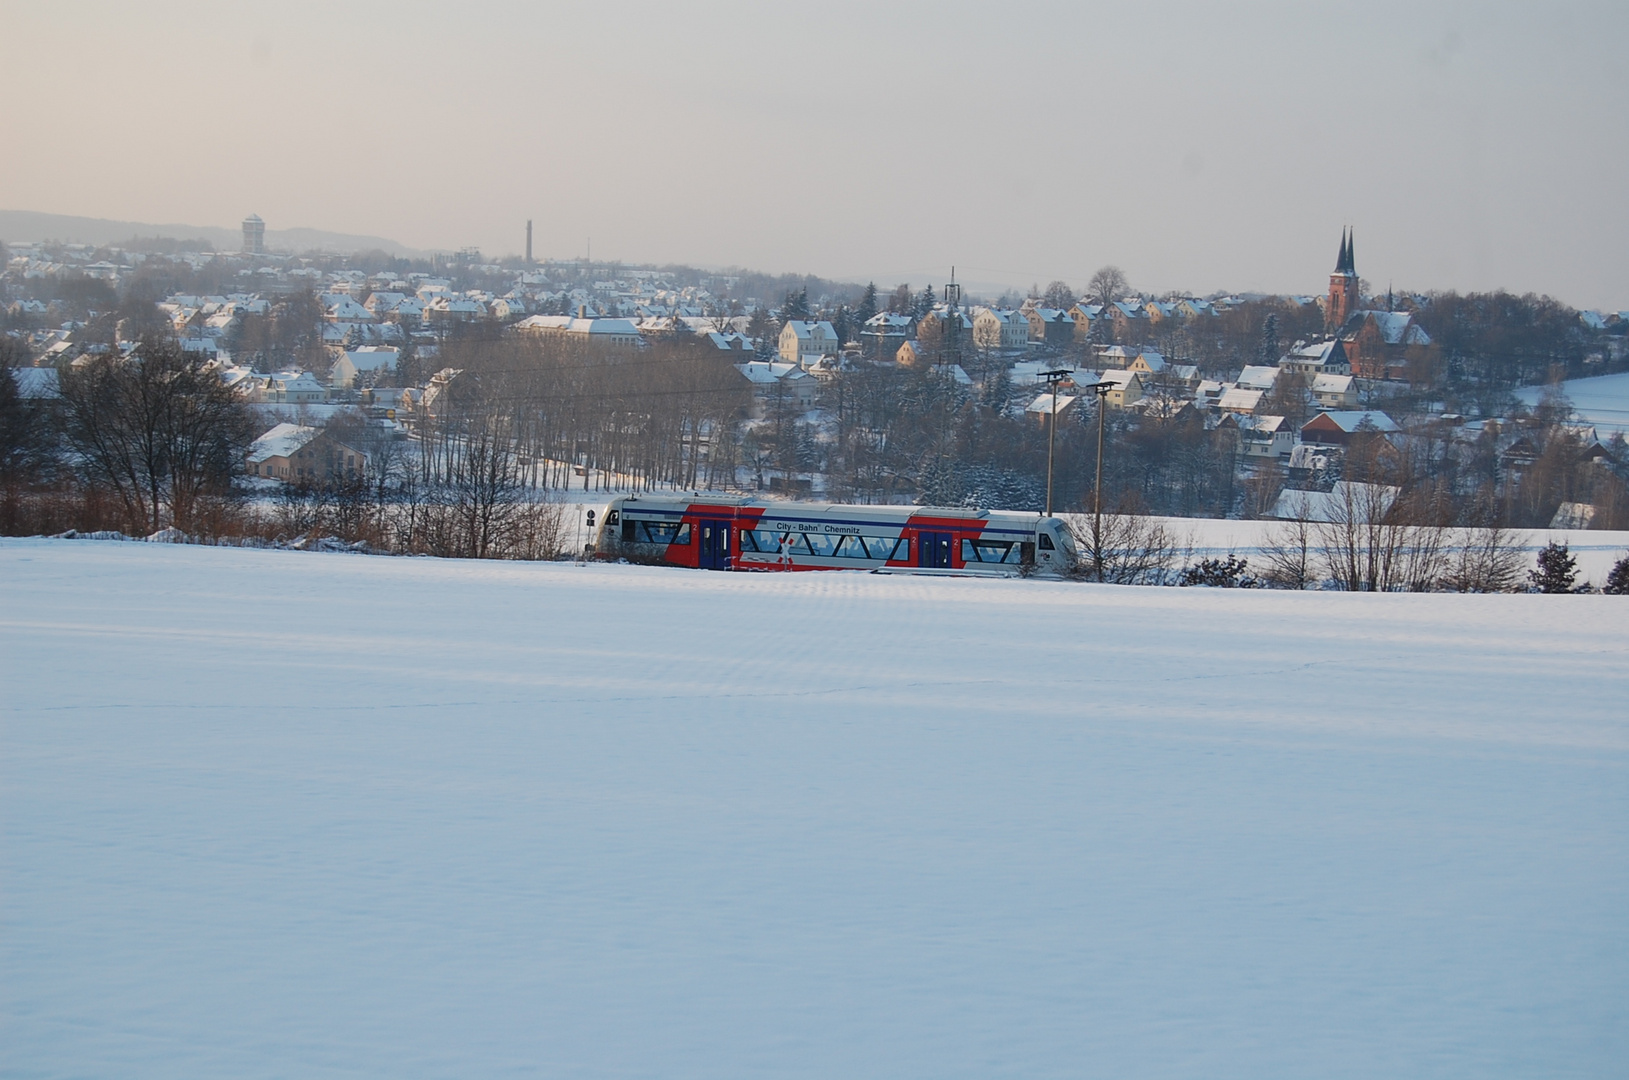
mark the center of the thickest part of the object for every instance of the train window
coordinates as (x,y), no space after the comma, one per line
(990,551)
(763,540)
(629,534)
(611,517)
(851,547)
(1046,542)
(822,544)
(658,532)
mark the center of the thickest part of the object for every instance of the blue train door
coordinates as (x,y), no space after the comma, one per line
(715,544)
(933,550)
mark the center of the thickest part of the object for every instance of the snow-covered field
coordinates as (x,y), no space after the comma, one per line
(1602,401)
(273,813)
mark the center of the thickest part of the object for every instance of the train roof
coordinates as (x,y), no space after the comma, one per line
(777,507)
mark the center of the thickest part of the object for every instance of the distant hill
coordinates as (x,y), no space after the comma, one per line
(27,226)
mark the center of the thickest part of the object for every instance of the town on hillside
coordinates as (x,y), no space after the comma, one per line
(399,374)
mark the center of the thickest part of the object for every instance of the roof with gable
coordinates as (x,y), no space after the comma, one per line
(1257,377)
(1350,420)
(284,440)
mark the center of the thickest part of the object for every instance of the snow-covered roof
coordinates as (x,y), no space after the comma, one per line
(373,357)
(34,383)
(281,441)
(1331,384)
(811,329)
(1349,499)
(1257,377)
(1239,399)
(1349,420)
(1306,355)
(1043,404)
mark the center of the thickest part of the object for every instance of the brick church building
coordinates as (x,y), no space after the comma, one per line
(1378,344)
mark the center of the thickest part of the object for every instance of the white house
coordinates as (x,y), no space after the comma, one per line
(1335,391)
(369,359)
(1002,329)
(805,341)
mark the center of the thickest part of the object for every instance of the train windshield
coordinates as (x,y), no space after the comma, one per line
(1065,538)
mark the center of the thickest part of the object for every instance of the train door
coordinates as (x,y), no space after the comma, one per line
(714,552)
(933,550)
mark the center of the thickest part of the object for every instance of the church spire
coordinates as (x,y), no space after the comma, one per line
(1345,263)
(1351,252)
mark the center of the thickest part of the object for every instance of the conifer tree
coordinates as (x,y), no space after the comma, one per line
(1617,582)
(1557,570)
(925,301)
(1268,353)
(868,304)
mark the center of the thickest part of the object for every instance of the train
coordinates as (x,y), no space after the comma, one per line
(725,532)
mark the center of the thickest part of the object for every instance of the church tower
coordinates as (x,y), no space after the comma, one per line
(1343,287)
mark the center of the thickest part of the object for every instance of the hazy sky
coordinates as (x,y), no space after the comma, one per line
(1199,146)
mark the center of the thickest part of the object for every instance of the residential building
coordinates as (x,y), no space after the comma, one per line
(1336,427)
(291,452)
(1335,391)
(803,341)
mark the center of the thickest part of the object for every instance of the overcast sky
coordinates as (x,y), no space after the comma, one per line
(1199,146)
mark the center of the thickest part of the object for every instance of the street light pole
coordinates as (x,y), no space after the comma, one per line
(1052,378)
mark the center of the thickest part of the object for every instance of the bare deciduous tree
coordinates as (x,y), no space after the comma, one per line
(157,428)
(1107,285)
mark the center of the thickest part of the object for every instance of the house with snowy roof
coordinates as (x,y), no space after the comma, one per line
(292,388)
(1260,437)
(1337,427)
(1125,390)
(1239,399)
(299,454)
(1052,327)
(1000,329)
(1347,501)
(1148,364)
(369,361)
(601,333)
(1257,377)
(1318,358)
(1335,391)
(779,381)
(1046,405)
(804,340)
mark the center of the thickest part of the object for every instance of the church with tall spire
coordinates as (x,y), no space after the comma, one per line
(1343,287)
(1377,344)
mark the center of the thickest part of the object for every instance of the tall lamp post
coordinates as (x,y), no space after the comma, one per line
(1053,378)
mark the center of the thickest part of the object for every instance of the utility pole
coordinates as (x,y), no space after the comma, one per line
(1102,389)
(1053,378)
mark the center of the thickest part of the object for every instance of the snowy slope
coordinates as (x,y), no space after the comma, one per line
(1601,400)
(289,814)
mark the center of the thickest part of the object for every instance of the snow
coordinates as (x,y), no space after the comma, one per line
(281,441)
(269,813)
(1602,401)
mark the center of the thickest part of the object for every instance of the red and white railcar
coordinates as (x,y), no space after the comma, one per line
(723,532)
